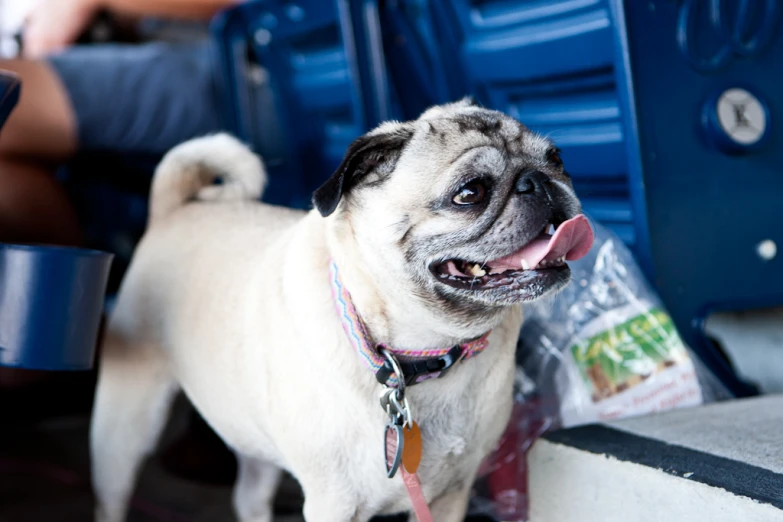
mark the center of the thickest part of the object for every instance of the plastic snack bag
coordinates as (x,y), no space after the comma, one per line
(601,349)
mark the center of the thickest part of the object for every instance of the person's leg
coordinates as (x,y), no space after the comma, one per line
(126,99)
(39,134)
(129,99)
(33,206)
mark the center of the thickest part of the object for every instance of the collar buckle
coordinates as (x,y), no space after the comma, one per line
(419,370)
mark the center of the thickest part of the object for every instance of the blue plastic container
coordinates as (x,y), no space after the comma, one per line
(51,302)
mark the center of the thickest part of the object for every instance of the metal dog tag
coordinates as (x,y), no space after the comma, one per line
(393,445)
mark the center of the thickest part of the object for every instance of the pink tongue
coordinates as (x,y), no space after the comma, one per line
(572,239)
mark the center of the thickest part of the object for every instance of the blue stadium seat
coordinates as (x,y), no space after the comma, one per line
(419,74)
(549,64)
(702,92)
(323,98)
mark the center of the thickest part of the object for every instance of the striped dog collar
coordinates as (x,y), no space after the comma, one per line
(416,365)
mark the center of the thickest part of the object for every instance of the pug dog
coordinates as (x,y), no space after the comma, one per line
(434,230)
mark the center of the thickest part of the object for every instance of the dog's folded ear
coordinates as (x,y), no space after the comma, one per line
(377,151)
(468,101)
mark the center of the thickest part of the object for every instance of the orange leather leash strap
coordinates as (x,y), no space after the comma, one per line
(405,452)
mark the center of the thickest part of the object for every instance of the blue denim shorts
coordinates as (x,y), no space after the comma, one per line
(141,98)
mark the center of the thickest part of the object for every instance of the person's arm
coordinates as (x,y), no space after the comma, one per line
(53,25)
(178,9)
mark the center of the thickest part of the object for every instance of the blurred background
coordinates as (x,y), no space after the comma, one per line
(666,111)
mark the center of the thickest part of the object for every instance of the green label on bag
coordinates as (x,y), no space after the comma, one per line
(627,354)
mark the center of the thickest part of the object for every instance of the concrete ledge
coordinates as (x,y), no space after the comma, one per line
(722,462)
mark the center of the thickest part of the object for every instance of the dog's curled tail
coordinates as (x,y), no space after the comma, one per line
(189,172)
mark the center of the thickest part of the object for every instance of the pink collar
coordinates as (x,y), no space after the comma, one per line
(416,365)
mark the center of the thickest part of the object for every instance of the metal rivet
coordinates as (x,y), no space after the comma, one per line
(767,250)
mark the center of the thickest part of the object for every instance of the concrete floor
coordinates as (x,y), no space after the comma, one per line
(747,430)
(44,476)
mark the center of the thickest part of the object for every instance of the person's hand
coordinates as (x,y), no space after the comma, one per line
(54,25)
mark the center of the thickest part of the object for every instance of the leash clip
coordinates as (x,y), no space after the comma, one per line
(395,404)
(393,400)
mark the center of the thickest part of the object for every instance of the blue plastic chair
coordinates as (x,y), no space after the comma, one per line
(418,74)
(326,90)
(440,50)
(710,187)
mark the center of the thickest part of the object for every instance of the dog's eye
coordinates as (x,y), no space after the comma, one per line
(554,156)
(471,193)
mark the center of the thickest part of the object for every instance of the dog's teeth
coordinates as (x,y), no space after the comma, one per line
(476,270)
(562,259)
(550,229)
(524,264)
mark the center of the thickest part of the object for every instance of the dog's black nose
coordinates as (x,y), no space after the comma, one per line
(532,182)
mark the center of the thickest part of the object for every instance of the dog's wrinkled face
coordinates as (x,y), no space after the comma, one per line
(466,206)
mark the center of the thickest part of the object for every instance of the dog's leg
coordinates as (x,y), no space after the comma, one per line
(327,501)
(132,400)
(255,489)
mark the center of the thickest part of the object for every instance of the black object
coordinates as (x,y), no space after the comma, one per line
(415,370)
(10,87)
